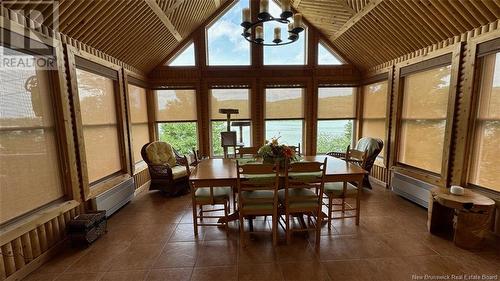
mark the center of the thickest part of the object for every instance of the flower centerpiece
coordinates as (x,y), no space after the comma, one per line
(273,152)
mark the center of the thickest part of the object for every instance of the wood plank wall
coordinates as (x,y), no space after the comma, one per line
(457,166)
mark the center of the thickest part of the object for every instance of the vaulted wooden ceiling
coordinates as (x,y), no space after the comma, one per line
(142,33)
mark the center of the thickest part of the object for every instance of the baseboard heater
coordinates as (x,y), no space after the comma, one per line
(411,189)
(115,198)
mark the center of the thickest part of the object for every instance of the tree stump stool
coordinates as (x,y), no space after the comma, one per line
(465,219)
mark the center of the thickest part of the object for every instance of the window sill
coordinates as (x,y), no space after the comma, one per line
(416,173)
(101,187)
(15,229)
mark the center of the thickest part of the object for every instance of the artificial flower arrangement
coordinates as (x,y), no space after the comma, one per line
(273,152)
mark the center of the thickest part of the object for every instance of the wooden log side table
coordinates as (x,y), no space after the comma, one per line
(464,219)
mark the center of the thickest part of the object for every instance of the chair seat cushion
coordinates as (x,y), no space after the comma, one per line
(179,172)
(297,200)
(219,193)
(161,153)
(257,194)
(337,189)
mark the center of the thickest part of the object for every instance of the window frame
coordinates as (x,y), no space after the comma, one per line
(419,64)
(479,49)
(384,75)
(197,121)
(178,52)
(130,78)
(236,85)
(304,88)
(355,119)
(92,190)
(63,130)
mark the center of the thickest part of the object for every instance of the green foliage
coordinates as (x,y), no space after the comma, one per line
(329,143)
(181,135)
(217,128)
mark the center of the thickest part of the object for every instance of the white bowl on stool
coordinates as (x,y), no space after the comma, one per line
(457,190)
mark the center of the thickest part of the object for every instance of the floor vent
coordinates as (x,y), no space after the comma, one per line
(411,189)
(115,198)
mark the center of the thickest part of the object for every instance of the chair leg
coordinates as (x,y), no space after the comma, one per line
(343,206)
(275,229)
(360,187)
(195,220)
(318,227)
(226,214)
(242,231)
(201,212)
(330,211)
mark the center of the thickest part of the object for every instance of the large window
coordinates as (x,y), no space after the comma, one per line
(228,98)
(98,107)
(336,114)
(184,58)
(225,45)
(285,115)
(375,112)
(139,119)
(485,161)
(29,165)
(292,54)
(423,118)
(326,56)
(176,119)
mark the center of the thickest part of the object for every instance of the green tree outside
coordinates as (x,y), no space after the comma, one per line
(329,143)
(180,135)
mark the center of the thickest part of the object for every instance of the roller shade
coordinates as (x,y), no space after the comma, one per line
(138,104)
(176,105)
(336,103)
(285,103)
(426,65)
(375,100)
(96,68)
(230,98)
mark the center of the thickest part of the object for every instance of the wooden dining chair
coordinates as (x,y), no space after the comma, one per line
(203,195)
(303,194)
(297,149)
(249,151)
(339,191)
(258,194)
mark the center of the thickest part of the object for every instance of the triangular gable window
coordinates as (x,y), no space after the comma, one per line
(184,58)
(326,56)
(225,45)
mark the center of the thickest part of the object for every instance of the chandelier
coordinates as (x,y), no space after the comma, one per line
(294,28)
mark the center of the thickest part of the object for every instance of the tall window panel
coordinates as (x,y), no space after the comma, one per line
(336,115)
(485,161)
(285,115)
(176,119)
(375,113)
(423,118)
(29,165)
(229,98)
(98,108)
(139,119)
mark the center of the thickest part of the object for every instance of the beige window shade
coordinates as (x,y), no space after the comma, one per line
(285,103)
(139,119)
(336,103)
(375,128)
(375,100)
(100,128)
(423,119)
(176,105)
(29,165)
(485,161)
(230,98)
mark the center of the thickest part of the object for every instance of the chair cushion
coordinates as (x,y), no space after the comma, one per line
(257,194)
(179,172)
(161,153)
(337,189)
(306,176)
(302,202)
(220,193)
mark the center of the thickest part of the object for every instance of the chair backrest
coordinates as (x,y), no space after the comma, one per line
(305,175)
(159,153)
(356,156)
(257,176)
(228,139)
(372,146)
(247,151)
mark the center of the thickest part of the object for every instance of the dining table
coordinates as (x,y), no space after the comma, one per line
(214,172)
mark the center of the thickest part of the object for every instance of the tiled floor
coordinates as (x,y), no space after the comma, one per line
(152,239)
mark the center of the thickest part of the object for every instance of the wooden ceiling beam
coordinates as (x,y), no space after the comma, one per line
(164,18)
(357,17)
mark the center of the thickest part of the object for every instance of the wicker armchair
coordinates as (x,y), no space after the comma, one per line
(373,147)
(169,170)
